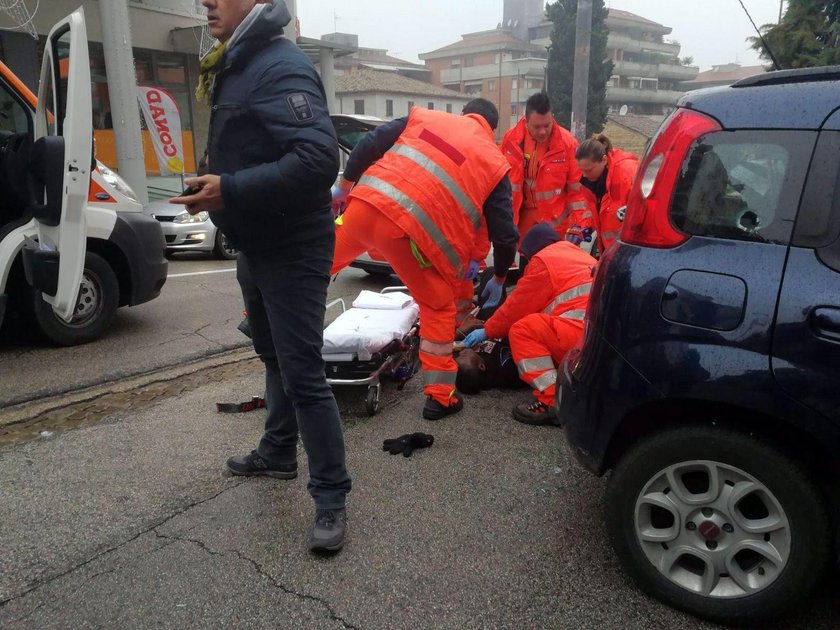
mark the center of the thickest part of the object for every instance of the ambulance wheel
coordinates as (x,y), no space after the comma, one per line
(99,296)
(372,401)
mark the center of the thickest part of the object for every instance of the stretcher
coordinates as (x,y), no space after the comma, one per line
(377,337)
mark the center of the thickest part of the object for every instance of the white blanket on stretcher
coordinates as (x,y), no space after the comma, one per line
(365,331)
(395,300)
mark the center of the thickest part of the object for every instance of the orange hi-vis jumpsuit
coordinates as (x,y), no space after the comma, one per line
(420,206)
(543,317)
(621,169)
(555,191)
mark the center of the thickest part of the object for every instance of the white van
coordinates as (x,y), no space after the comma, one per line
(74,242)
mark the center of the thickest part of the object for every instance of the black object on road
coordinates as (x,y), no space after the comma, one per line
(406,444)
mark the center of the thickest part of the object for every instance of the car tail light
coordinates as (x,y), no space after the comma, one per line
(647,221)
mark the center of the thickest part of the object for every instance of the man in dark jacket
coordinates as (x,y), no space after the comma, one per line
(272,158)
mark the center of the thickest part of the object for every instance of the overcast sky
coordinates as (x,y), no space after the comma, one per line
(711,31)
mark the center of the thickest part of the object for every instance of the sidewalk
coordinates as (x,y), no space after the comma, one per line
(130,523)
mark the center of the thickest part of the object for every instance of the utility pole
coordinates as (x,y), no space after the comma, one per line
(122,92)
(580,85)
(499,87)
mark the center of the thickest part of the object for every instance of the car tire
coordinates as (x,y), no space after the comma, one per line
(684,510)
(98,300)
(222,248)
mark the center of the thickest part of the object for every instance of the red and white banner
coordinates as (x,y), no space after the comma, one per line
(164,124)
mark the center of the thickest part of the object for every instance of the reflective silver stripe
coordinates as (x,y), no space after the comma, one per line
(542,196)
(441,378)
(409,205)
(536,364)
(436,348)
(575,292)
(516,188)
(586,215)
(545,380)
(443,177)
(578,314)
(578,205)
(610,235)
(530,181)
(572,187)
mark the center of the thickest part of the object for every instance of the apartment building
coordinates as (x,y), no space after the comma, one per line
(507,64)
(647,71)
(493,64)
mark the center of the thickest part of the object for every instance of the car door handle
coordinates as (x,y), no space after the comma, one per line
(826,321)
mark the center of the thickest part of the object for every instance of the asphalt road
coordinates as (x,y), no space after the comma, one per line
(130,522)
(195,315)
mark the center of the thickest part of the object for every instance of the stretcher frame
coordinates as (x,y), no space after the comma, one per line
(388,360)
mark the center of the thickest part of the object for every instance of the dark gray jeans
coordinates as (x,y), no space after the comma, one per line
(285,294)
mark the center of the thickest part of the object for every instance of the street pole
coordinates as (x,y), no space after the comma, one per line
(122,92)
(499,130)
(580,85)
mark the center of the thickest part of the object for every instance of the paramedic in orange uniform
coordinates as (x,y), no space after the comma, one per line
(424,184)
(543,317)
(544,176)
(607,179)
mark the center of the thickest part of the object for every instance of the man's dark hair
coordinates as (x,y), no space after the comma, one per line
(470,379)
(539,103)
(485,109)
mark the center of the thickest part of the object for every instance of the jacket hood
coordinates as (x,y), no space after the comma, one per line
(268,25)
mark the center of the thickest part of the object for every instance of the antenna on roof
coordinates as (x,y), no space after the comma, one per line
(764,43)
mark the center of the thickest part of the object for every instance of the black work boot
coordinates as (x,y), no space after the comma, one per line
(433,410)
(536,413)
(327,533)
(253,464)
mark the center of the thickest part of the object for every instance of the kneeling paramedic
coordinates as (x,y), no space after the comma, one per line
(423,185)
(543,317)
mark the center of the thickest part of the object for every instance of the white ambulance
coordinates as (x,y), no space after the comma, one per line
(74,241)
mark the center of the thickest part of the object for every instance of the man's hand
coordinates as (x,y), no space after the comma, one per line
(472,270)
(576,235)
(475,338)
(339,198)
(492,293)
(207,199)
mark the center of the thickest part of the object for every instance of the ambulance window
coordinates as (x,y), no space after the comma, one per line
(13,115)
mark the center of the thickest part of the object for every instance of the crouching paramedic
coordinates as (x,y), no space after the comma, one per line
(423,184)
(543,317)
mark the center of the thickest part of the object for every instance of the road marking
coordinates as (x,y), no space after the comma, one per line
(200,273)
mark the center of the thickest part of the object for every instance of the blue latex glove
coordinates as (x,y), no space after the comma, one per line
(339,198)
(472,270)
(492,292)
(576,235)
(475,338)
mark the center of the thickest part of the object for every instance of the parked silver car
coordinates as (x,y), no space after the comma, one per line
(186,233)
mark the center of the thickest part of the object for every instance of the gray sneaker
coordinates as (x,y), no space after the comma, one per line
(327,533)
(252,464)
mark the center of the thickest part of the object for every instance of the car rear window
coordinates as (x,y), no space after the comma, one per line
(742,185)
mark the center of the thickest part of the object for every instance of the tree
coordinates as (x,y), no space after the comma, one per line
(561,63)
(807,36)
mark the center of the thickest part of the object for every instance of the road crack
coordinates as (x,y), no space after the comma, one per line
(262,572)
(41,583)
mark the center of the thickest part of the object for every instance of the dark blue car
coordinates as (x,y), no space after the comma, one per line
(708,379)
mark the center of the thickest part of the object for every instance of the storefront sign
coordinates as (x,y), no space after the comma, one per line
(164,123)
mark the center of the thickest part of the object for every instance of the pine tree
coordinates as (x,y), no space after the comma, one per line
(807,36)
(561,63)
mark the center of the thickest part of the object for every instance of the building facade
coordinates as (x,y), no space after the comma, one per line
(494,65)
(389,95)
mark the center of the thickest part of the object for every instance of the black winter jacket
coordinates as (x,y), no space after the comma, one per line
(272,141)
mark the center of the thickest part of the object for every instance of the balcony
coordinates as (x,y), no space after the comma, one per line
(628,96)
(654,70)
(510,68)
(624,42)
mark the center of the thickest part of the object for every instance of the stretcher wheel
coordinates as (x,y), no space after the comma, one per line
(372,400)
